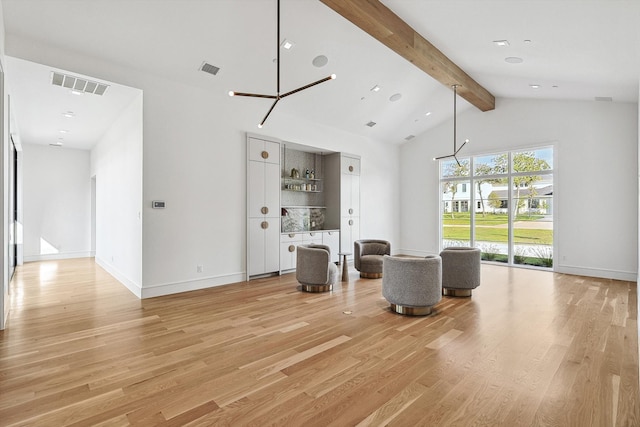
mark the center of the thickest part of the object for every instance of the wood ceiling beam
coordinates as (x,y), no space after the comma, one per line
(382,24)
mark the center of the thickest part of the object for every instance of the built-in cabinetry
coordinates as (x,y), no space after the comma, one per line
(298,196)
(263,206)
(289,245)
(343,197)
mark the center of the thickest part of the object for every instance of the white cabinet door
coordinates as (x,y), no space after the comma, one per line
(332,239)
(263,207)
(264,239)
(264,151)
(288,254)
(350,165)
(312,237)
(349,232)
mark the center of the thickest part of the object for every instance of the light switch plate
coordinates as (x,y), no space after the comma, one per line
(157,204)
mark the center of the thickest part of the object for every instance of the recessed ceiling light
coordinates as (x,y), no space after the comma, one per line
(69,114)
(64,131)
(555,86)
(534,86)
(320,61)
(527,41)
(376,88)
(428,113)
(513,60)
(56,144)
(501,43)
(371,124)
(287,44)
(395,97)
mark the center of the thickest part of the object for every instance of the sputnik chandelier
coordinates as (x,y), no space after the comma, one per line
(278,96)
(455,148)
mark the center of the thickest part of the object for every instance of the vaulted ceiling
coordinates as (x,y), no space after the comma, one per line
(566,49)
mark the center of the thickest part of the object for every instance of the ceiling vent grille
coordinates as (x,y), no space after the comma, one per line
(77,84)
(371,124)
(604,98)
(208,68)
(409,137)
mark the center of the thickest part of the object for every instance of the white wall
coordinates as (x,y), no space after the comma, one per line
(56,203)
(595,180)
(4,186)
(195,159)
(116,165)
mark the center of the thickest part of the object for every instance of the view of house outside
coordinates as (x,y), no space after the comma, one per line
(501,203)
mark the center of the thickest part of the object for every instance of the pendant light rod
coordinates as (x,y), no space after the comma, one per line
(455,126)
(277,97)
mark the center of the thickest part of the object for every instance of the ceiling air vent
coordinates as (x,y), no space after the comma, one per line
(604,98)
(77,84)
(371,124)
(409,138)
(208,68)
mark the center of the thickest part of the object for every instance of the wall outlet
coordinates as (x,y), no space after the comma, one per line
(198,269)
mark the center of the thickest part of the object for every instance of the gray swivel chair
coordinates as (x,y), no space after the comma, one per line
(367,257)
(314,269)
(412,285)
(460,270)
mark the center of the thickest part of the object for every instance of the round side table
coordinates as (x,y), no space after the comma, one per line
(345,267)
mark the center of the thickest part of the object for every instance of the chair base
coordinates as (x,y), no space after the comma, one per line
(370,275)
(316,288)
(456,292)
(411,311)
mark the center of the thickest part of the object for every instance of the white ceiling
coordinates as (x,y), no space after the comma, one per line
(578,50)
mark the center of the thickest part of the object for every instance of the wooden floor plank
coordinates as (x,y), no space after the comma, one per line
(529,347)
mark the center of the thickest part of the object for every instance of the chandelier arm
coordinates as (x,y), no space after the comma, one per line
(255,95)
(307,86)
(269,112)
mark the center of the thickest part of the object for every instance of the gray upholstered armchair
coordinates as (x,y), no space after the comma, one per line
(314,269)
(412,285)
(367,257)
(460,270)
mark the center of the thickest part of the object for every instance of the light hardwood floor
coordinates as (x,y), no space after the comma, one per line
(529,348)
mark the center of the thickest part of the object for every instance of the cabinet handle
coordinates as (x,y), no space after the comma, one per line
(264,225)
(264,210)
(265,155)
(350,168)
(292,248)
(350,222)
(350,211)
(312,234)
(292,235)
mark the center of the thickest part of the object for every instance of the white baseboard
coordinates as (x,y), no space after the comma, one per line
(596,272)
(62,255)
(413,252)
(630,276)
(191,285)
(135,288)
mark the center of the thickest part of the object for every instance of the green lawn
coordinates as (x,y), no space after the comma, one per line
(499,235)
(464,218)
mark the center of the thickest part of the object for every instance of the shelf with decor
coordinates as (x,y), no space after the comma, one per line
(307,185)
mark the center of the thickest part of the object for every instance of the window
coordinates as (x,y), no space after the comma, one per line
(512,196)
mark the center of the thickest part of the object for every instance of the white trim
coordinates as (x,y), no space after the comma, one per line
(132,286)
(64,255)
(630,276)
(413,252)
(191,285)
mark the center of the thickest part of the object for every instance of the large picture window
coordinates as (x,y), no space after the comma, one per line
(501,203)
